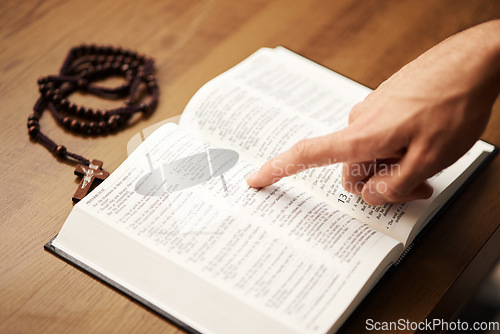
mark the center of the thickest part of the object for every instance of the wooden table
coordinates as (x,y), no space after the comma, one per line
(193,41)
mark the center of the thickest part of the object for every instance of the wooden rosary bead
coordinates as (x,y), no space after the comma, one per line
(87,112)
(64,103)
(61,150)
(120,119)
(66,121)
(72,107)
(43,88)
(107,49)
(79,110)
(84,128)
(97,114)
(116,50)
(129,76)
(78,51)
(33,127)
(33,122)
(85,73)
(82,83)
(56,98)
(113,123)
(75,125)
(103,125)
(93,127)
(143,107)
(33,117)
(33,130)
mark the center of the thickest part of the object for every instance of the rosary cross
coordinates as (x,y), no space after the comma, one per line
(89,174)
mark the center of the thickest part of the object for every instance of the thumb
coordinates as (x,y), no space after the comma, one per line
(398,183)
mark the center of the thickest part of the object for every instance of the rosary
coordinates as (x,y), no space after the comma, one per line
(82,67)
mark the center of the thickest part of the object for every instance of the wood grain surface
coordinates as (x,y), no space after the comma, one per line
(192,41)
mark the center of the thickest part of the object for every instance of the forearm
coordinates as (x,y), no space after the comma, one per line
(476,52)
(491,45)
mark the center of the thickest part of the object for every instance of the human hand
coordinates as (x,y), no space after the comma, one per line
(421,120)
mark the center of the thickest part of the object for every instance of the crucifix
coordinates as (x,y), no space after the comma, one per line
(89,175)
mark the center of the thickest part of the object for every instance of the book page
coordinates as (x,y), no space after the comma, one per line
(275,98)
(278,250)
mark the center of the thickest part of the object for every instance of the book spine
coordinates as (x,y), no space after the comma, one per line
(401,257)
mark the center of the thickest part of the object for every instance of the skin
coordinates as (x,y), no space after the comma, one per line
(422,119)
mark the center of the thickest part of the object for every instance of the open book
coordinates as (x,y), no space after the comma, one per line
(177,228)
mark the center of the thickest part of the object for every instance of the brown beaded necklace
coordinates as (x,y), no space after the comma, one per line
(83,66)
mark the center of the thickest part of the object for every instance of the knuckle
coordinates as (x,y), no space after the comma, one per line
(355,112)
(357,144)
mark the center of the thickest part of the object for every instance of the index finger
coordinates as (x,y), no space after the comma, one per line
(341,146)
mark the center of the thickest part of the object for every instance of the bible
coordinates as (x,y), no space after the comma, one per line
(177,228)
